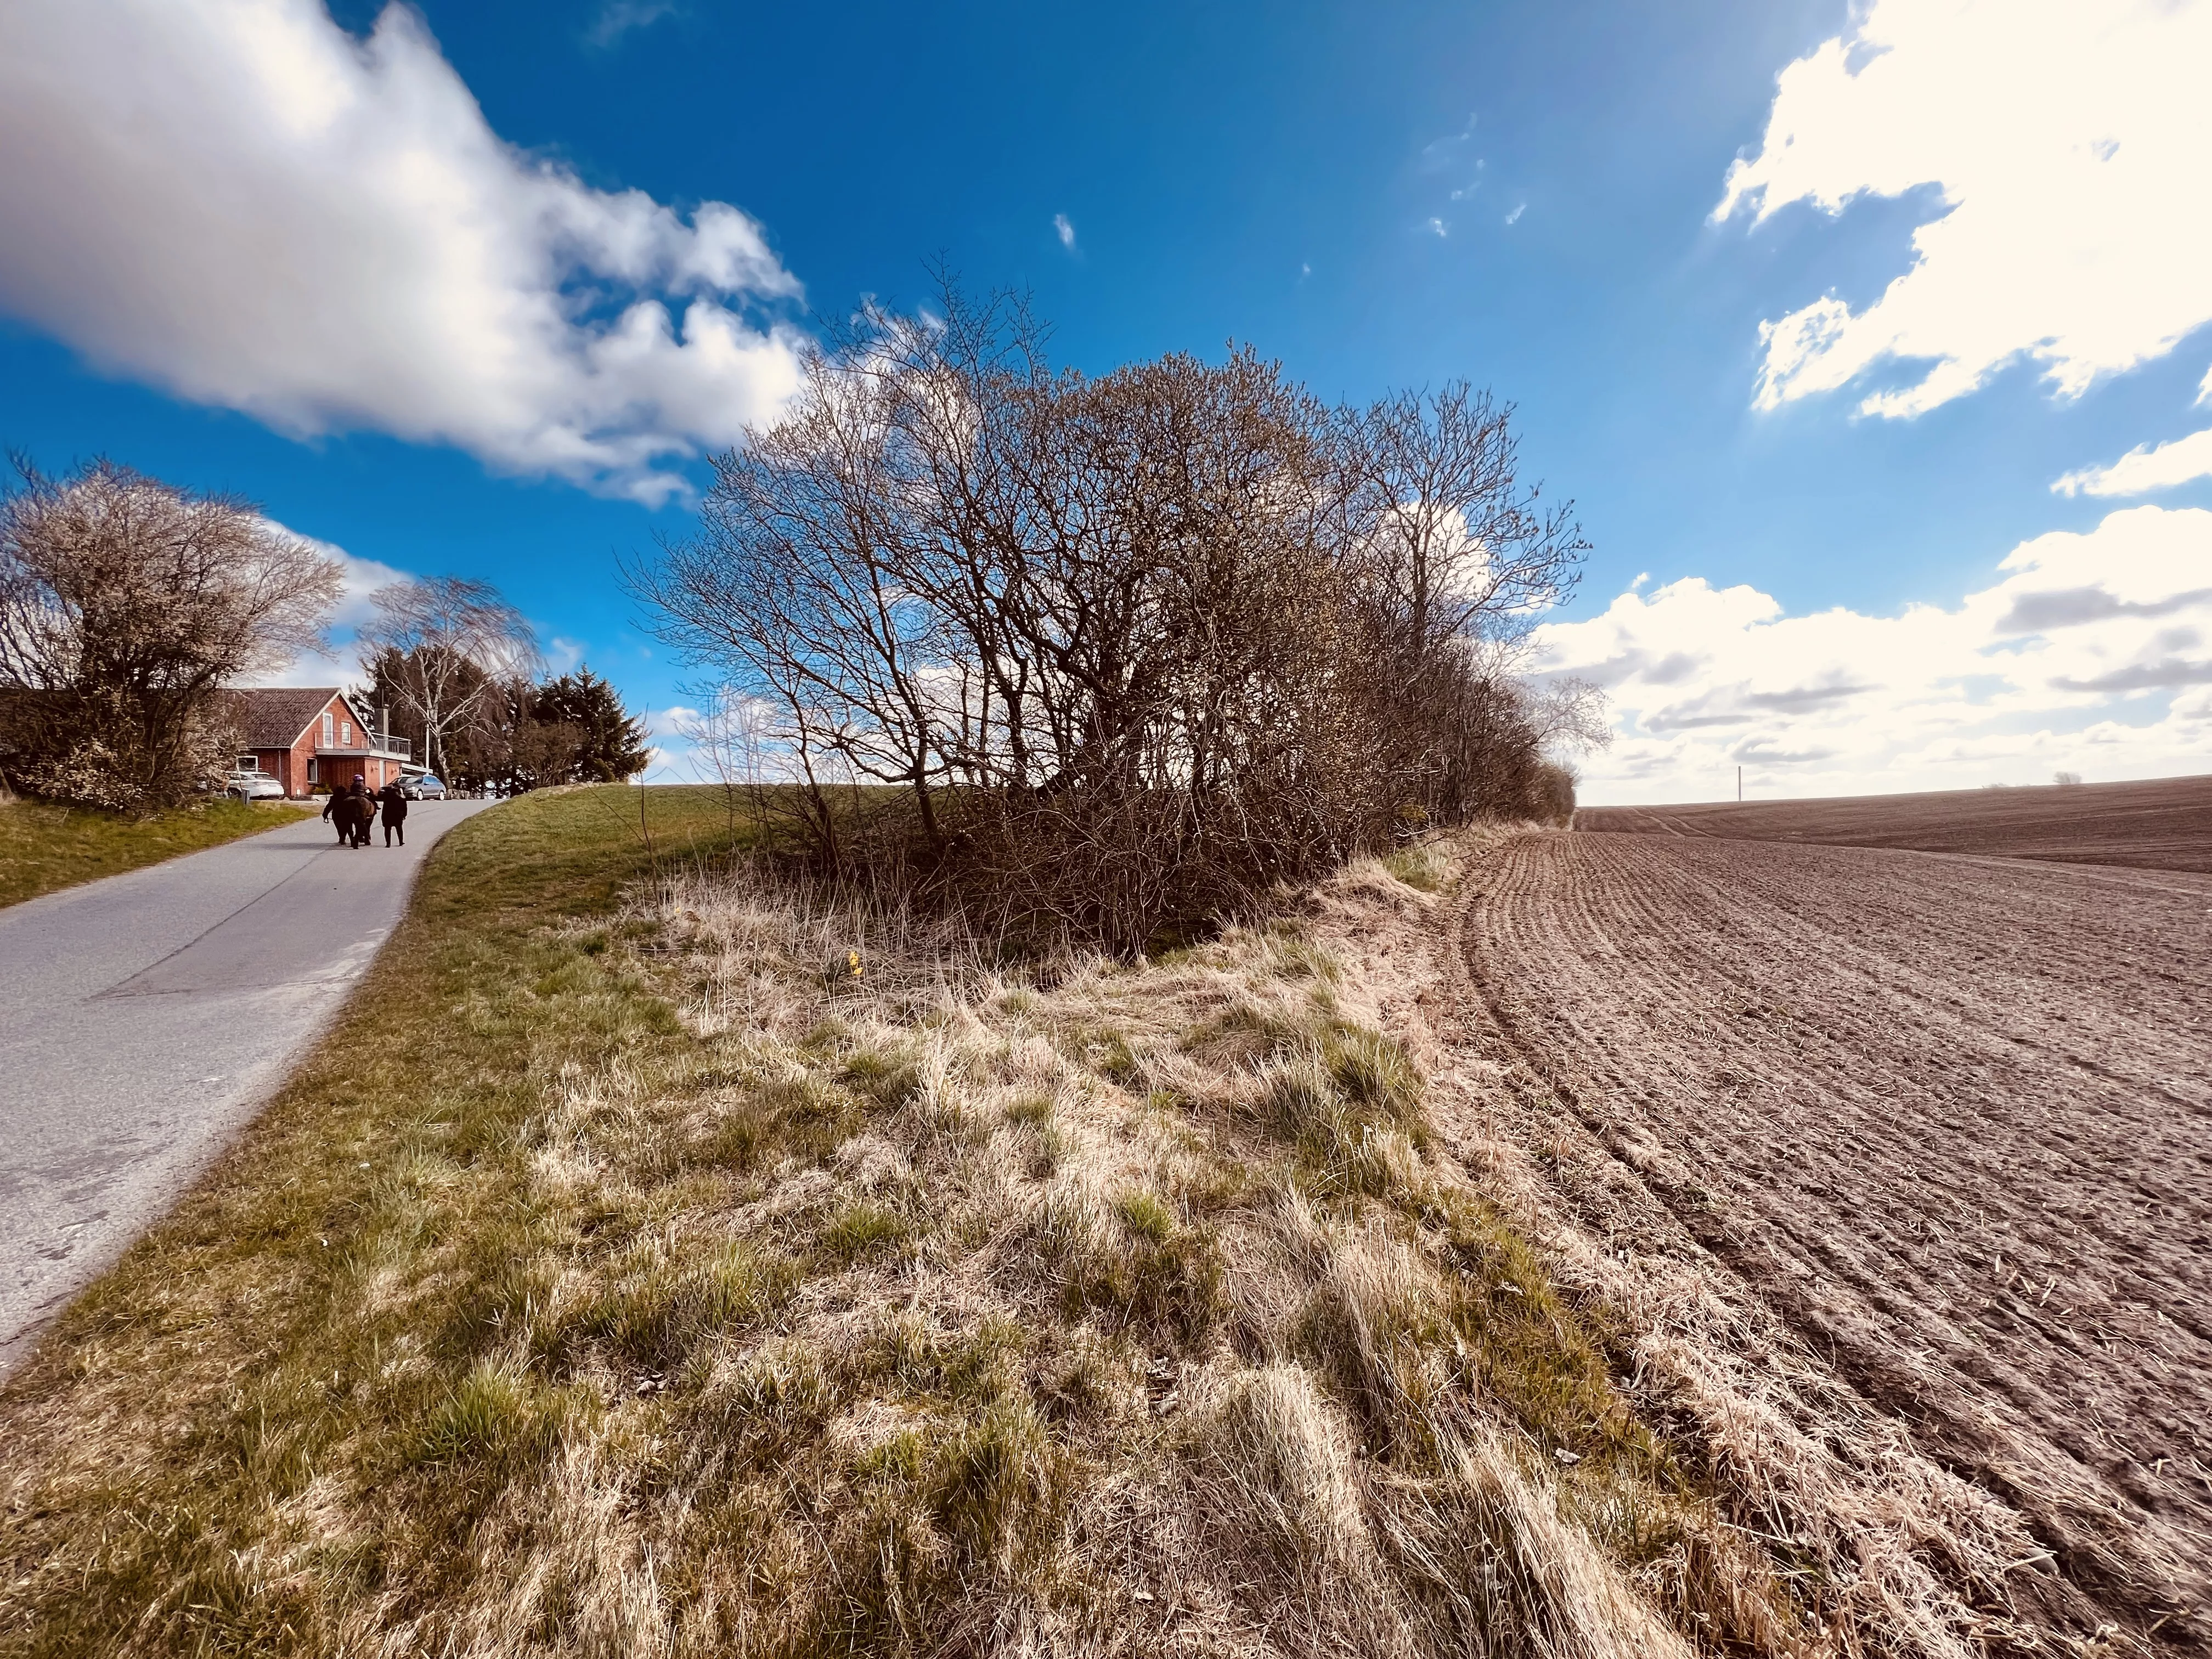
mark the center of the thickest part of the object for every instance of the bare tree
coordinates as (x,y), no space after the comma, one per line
(1450,538)
(126,605)
(1455,558)
(1134,647)
(738,739)
(438,647)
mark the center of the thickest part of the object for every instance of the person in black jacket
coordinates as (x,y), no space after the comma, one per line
(364,810)
(393,799)
(338,811)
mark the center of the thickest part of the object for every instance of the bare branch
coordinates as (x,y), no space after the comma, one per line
(439,645)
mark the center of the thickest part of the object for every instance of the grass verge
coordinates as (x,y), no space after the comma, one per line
(45,847)
(659,1258)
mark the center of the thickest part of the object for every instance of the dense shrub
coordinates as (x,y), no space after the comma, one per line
(1132,648)
(126,605)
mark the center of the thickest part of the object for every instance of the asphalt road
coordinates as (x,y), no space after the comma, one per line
(144,1019)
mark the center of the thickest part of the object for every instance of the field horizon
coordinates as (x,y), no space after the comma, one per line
(2163,824)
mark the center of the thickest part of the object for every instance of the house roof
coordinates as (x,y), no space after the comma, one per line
(273,716)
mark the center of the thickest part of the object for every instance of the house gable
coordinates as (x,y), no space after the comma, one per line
(278,716)
(283,726)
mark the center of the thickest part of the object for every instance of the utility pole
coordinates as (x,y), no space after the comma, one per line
(1739,786)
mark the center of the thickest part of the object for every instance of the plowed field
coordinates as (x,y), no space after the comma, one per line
(1951,1118)
(2165,824)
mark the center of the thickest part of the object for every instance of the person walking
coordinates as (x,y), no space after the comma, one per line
(338,811)
(364,811)
(393,799)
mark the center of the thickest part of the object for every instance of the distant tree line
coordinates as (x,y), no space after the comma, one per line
(510,733)
(456,668)
(1128,650)
(127,605)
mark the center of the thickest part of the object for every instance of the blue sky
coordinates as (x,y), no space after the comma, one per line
(273,249)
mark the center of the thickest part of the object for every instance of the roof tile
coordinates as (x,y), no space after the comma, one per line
(274,716)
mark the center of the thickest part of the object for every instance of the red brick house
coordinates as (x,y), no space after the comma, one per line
(302,735)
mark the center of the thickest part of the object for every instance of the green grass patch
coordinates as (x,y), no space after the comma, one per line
(1139,1268)
(1423,866)
(339,1300)
(859,1229)
(45,847)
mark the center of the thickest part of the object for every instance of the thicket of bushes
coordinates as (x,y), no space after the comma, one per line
(1132,648)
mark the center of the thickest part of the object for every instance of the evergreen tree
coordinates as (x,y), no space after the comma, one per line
(610,741)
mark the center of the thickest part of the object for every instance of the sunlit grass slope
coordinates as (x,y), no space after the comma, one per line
(663,1257)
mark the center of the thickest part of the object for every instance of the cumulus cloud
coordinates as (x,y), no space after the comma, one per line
(2071,141)
(2089,652)
(247,207)
(677,756)
(676,721)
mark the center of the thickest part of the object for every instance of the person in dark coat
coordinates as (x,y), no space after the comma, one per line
(364,812)
(394,802)
(338,811)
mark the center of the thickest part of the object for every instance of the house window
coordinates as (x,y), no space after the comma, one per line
(328,741)
(345,733)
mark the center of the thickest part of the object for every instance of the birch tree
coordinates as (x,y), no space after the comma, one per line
(438,646)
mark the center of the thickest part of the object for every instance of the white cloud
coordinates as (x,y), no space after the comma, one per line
(619,17)
(2071,142)
(1437,228)
(240,203)
(1465,191)
(2088,652)
(1514,217)
(2144,469)
(1064,227)
(675,758)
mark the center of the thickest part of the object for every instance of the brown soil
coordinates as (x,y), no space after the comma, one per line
(2162,825)
(1949,1121)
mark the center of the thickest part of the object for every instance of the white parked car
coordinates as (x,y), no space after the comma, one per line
(422,786)
(254,785)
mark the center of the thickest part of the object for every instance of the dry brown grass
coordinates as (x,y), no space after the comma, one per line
(780,1278)
(1134,1318)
